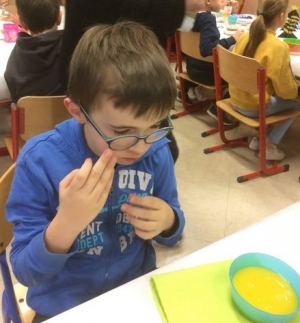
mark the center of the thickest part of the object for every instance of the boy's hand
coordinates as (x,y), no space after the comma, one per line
(149,215)
(14,18)
(82,194)
(238,34)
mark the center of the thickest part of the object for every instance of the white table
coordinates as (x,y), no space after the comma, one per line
(277,235)
(5,50)
(295,59)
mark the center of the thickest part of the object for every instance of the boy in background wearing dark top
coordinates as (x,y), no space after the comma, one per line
(201,71)
(32,68)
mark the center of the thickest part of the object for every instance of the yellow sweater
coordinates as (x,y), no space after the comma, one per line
(274,55)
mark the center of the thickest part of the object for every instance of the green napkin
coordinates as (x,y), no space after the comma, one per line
(197,294)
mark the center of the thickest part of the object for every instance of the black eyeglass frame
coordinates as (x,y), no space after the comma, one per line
(109,140)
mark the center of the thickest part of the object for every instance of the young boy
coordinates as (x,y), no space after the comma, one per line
(88,197)
(32,68)
(201,71)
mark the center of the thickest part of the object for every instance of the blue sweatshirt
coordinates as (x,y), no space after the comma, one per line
(107,253)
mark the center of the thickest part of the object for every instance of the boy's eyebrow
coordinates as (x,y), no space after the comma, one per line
(131,127)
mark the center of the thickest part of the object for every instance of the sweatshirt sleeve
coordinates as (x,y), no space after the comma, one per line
(9,76)
(206,24)
(166,189)
(28,209)
(281,76)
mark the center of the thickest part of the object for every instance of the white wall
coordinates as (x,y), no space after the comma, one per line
(250,6)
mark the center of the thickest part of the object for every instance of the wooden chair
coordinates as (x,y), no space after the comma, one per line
(172,56)
(31,116)
(14,307)
(248,75)
(187,43)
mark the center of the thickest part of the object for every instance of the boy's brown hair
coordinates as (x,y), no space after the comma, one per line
(124,62)
(38,15)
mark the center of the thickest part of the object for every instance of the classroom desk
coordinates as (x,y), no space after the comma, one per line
(277,235)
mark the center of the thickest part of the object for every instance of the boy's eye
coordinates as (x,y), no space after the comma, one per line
(129,131)
(120,133)
(156,126)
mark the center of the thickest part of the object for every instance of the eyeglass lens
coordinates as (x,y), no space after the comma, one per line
(126,142)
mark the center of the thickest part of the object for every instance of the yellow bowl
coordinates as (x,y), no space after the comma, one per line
(257,298)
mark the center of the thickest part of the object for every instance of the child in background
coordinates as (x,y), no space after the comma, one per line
(201,71)
(262,44)
(32,68)
(88,197)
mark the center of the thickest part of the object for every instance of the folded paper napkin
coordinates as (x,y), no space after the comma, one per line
(197,294)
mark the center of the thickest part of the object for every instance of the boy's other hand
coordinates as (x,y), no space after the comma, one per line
(149,215)
(238,34)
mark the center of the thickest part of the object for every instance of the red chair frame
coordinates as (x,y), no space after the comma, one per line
(239,65)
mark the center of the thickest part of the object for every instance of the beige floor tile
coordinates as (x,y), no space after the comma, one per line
(248,206)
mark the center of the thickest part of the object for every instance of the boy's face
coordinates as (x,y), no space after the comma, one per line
(114,122)
(216,5)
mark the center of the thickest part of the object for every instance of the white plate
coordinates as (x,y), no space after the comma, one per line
(244,21)
(229,32)
(233,27)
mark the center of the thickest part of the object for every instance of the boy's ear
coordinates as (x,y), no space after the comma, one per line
(59,18)
(22,23)
(74,110)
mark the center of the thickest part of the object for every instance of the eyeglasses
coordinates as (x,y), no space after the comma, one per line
(127,141)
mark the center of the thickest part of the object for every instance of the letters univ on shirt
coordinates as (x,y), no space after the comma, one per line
(92,238)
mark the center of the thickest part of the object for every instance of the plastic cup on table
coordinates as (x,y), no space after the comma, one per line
(226,12)
(232,19)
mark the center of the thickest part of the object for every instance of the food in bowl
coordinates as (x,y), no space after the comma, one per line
(264,288)
(294,45)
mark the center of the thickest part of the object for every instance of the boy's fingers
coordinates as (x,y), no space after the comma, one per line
(103,171)
(82,175)
(105,191)
(68,179)
(149,202)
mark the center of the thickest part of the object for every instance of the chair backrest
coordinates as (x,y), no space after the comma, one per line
(237,70)
(34,115)
(245,73)
(39,114)
(5,227)
(189,45)
(9,305)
